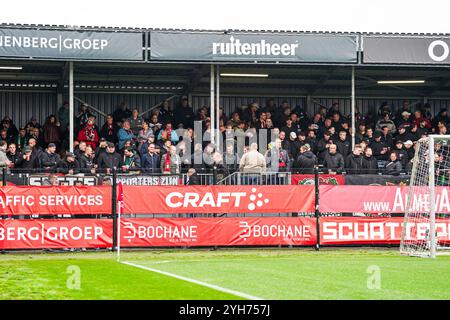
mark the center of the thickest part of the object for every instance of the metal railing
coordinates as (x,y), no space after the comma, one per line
(266,178)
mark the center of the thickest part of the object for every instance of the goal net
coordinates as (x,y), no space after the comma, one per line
(425,225)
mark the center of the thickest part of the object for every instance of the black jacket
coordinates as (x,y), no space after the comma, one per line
(376,149)
(109,160)
(151,163)
(335,162)
(411,152)
(64,166)
(33,163)
(86,163)
(14,157)
(343,147)
(294,148)
(402,156)
(120,114)
(393,168)
(321,148)
(305,162)
(354,164)
(406,136)
(109,135)
(370,165)
(193,180)
(50,160)
(184,115)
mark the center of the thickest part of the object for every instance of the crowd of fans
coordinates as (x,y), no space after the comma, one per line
(296,141)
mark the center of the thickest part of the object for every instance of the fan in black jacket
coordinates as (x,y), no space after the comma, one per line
(333,161)
(109,130)
(28,160)
(110,159)
(323,145)
(343,144)
(394,166)
(379,147)
(306,160)
(184,114)
(69,165)
(192,177)
(370,164)
(354,161)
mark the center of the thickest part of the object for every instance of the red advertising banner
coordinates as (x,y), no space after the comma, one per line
(57,233)
(55,200)
(144,232)
(218,199)
(324,179)
(261,231)
(379,199)
(356,230)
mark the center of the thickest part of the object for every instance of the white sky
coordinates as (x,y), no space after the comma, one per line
(428,16)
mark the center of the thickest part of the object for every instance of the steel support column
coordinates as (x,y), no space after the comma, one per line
(71,108)
(212,102)
(353,108)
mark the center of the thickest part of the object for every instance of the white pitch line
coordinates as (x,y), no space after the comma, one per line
(212,286)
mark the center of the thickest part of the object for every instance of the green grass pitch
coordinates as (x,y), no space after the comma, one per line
(266,273)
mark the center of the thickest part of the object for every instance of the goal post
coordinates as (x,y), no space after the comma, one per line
(425,230)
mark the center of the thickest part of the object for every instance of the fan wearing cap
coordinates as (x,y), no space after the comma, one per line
(409,149)
(404,119)
(49,158)
(379,147)
(404,133)
(294,145)
(402,155)
(27,160)
(109,159)
(69,165)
